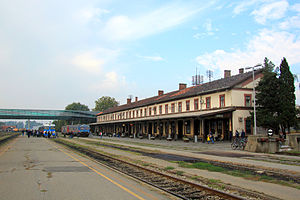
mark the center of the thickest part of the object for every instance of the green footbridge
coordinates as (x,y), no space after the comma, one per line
(47,114)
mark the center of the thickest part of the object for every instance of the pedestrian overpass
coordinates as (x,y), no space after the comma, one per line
(47,114)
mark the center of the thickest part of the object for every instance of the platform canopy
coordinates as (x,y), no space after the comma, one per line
(46,114)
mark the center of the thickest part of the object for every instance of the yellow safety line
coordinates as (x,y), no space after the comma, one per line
(99,173)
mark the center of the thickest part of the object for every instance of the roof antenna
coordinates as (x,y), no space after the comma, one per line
(209,74)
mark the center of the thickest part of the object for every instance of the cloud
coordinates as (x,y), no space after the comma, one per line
(92,14)
(111,83)
(152,58)
(291,22)
(123,27)
(271,11)
(207,25)
(243,6)
(271,44)
(94,61)
(296,7)
(209,30)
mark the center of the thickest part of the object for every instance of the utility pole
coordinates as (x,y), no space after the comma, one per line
(253,68)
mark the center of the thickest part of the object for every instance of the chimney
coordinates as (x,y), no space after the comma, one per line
(227,73)
(160,92)
(128,100)
(136,99)
(241,70)
(182,86)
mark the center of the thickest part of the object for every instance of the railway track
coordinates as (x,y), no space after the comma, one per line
(5,139)
(173,185)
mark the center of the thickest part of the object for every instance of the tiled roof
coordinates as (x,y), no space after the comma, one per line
(217,85)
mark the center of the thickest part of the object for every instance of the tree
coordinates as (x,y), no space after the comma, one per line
(77,106)
(287,112)
(104,103)
(267,98)
(276,98)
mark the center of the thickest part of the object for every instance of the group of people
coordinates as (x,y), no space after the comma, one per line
(237,135)
(37,133)
(211,139)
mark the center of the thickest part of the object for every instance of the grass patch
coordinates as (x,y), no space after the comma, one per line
(179,173)
(169,168)
(195,178)
(243,174)
(202,165)
(214,181)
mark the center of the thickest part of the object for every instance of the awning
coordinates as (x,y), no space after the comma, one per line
(201,114)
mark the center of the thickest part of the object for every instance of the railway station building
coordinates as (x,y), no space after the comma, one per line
(221,106)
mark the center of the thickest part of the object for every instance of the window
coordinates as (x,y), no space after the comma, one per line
(172,107)
(248,100)
(187,105)
(154,110)
(149,111)
(180,107)
(127,115)
(196,104)
(160,110)
(137,114)
(145,112)
(222,100)
(166,109)
(141,112)
(208,102)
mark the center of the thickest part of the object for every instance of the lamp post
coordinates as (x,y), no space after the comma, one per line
(258,65)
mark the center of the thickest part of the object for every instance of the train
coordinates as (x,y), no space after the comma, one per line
(80,130)
(47,128)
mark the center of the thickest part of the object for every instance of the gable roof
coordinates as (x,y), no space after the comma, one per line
(206,88)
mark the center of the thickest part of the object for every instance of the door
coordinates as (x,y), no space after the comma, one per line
(180,129)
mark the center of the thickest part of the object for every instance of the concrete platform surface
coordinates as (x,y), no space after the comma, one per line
(36,168)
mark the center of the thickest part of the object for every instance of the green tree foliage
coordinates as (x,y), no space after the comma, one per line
(77,106)
(104,103)
(287,97)
(267,100)
(275,99)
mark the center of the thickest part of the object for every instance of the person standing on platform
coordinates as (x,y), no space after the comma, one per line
(210,138)
(53,134)
(243,134)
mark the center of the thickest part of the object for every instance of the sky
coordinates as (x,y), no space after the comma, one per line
(54,53)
